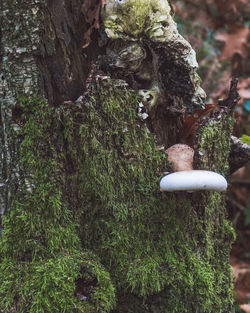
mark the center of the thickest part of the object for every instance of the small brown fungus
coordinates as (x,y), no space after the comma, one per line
(181,157)
(185,178)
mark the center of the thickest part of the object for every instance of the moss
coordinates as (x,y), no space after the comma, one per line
(41,256)
(94,222)
(164,252)
(214,144)
(49,285)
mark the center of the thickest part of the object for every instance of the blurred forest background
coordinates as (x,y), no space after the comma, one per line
(219,31)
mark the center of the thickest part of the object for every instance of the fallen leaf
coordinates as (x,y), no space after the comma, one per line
(236,42)
(191,122)
(233,10)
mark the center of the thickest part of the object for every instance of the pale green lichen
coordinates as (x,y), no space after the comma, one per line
(150,25)
(129,57)
(150,96)
(133,19)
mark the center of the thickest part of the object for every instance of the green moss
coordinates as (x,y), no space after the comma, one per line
(94,222)
(164,252)
(214,144)
(41,257)
(50,285)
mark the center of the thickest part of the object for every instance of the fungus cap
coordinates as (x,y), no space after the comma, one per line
(193,180)
(181,156)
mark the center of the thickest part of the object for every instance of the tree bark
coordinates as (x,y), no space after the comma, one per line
(85,227)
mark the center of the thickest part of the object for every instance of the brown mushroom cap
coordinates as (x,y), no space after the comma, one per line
(181,156)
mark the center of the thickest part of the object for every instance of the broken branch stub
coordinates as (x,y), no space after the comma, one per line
(146,49)
(233,96)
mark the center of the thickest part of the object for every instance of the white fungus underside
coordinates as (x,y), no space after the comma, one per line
(193,180)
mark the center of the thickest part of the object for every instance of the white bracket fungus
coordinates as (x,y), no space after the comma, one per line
(185,177)
(193,180)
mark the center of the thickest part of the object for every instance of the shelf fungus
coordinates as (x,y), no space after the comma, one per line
(185,177)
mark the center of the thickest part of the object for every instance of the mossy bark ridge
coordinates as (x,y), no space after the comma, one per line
(89,230)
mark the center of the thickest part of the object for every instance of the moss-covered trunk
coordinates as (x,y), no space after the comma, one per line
(86,228)
(40,53)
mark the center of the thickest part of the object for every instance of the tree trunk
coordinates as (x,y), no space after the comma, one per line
(85,227)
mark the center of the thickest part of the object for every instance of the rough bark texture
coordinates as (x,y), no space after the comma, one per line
(89,230)
(19,74)
(41,52)
(146,49)
(240,154)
